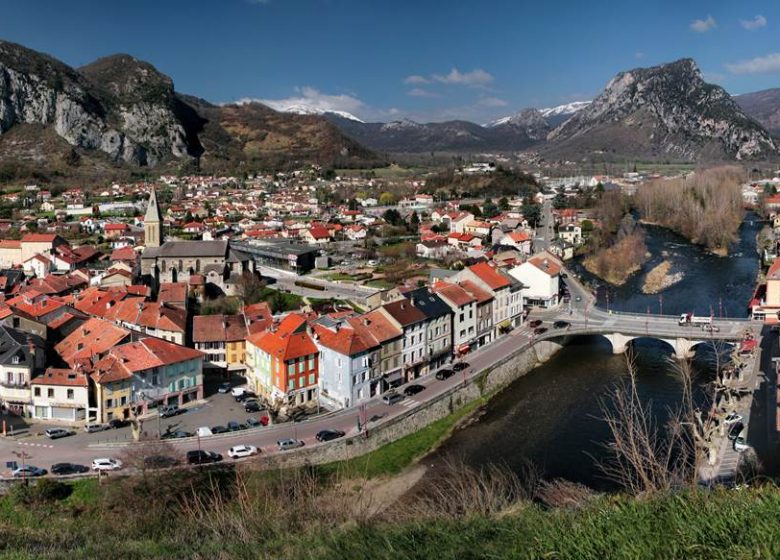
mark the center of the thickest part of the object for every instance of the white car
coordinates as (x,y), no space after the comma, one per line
(106,464)
(732,418)
(238,391)
(239,451)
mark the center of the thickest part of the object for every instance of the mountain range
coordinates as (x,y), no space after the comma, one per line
(122,113)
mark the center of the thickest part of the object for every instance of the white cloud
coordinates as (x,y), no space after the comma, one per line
(752,24)
(420,92)
(476,77)
(639,54)
(758,65)
(311,97)
(704,25)
(492,102)
(415,79)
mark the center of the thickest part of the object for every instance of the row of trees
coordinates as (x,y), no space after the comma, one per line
(705,207)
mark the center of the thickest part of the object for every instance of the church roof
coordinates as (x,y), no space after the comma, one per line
(153,209)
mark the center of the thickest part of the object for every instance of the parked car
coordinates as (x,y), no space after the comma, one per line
(236,391)
(239,451)
(578,298)
(57,433)
(219,430)
(27,470)
(170,410)
(444,373)
(735,430)
(178,434)
(373,263)
(204,431)
(257,422)
(160,462)
(535,323)
(460,366)
(234,426)
(392,397)
(540,330)
(224,388)
(286,444)
(115,423)
(244,395)
(740,443)
(106,464)
(91,428)
(252,405)
(710,328)
(328,435)
(200,457)
(561,324)
(414,389)
(732,418)
(68,468)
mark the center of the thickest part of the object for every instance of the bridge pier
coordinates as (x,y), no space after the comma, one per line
(682,348)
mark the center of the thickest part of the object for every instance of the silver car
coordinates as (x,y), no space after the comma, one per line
(286,444)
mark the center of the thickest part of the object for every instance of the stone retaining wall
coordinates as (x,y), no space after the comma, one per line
(487,382)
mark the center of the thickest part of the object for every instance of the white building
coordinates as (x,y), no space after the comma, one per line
(541,276)
(61,395)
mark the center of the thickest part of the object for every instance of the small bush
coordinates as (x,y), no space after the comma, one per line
(44,490)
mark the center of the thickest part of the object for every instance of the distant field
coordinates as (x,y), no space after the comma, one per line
(389,172)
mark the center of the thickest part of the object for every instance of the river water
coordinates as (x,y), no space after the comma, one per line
(552,417)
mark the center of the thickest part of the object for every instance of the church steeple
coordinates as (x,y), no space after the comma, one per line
(152,222)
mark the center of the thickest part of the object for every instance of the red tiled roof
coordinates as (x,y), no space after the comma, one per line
(94,338)
(39,238)
(478,293)
(61,376)
(289,341)
(774,271)
(489,276)
(546,264)
(404,312)
(351,340)
(10,244)
(454,293)
(124,254)
(172,292)
(218,328)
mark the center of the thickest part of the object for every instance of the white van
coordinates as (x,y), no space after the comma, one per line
(204,431)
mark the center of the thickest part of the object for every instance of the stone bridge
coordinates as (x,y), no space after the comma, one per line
(620,329)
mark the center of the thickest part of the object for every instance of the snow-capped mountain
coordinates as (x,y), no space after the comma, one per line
(567,109)
(309,110)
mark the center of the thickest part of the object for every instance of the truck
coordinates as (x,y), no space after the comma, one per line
(689,319)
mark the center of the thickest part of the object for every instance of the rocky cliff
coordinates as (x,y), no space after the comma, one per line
(666,111)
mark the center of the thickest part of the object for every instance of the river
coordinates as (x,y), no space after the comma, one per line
(552,417)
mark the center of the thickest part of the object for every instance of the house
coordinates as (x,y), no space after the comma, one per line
(507,296)
(355,232)
(38,265)
(222,339)
(571,233)
(62,395)
(390,338)
(478,228)
(283,363)
(438,325)
(520,240)
(464,314)
(173,293)
(146,375)
(315,235)
(115,231)
(168,322)
(541,276)
(411,321)
(433,249)
(22,356)
(93,339)
(484,305)
(258,316)
(349,362)
(32,312)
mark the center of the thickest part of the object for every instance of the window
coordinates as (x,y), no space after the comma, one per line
(37,392)
(50,393)
(123,400)
(70,393)
(338,362)
(290,368)
(301,363)
(291,384)
(311,379)
(109,403)
(311,361)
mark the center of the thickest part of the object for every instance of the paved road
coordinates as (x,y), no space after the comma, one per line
(545,231)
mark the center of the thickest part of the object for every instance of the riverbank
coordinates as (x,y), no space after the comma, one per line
(661,278)
(164,522)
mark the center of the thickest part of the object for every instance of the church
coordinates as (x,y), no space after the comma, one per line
(197,263)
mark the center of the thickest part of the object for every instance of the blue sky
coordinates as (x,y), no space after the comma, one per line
(421,59)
